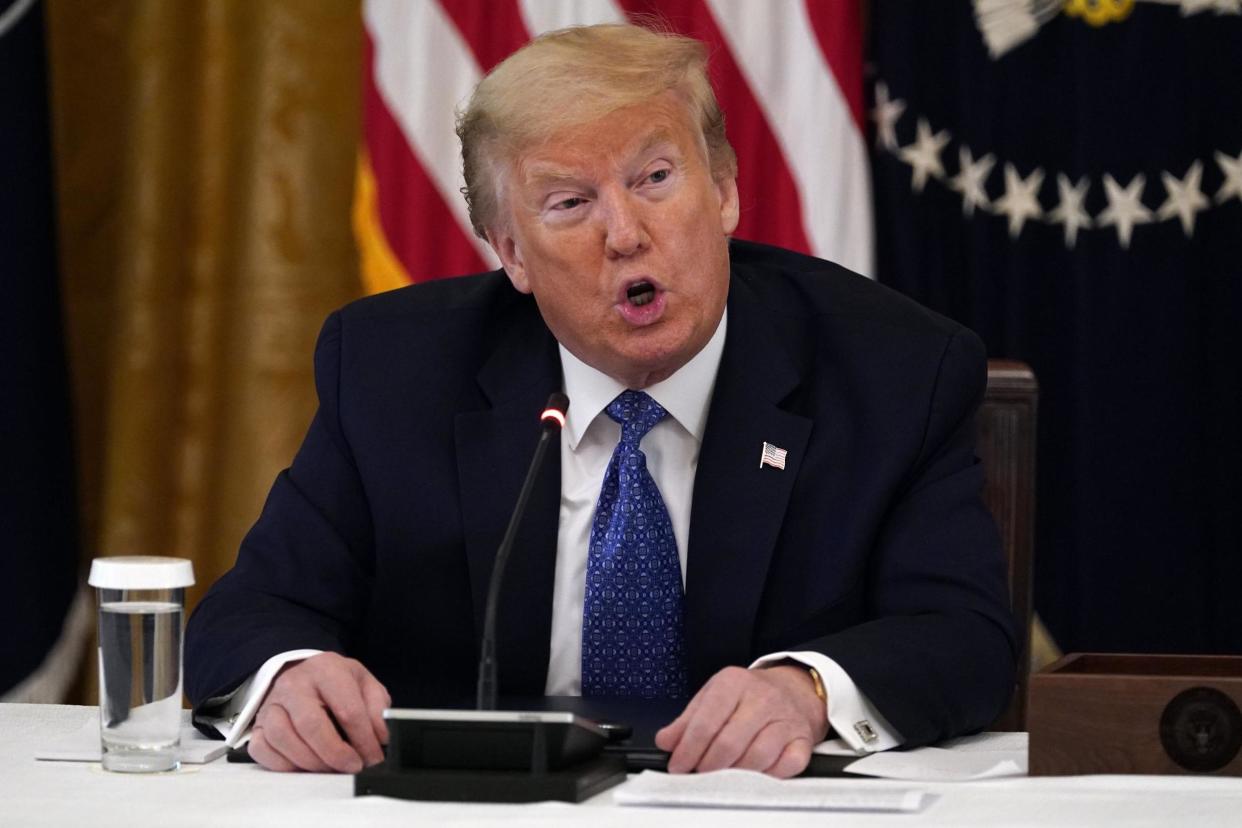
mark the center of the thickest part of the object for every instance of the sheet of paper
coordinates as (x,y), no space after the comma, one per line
(932,764)
(997,740)
(82,745)
(748,789)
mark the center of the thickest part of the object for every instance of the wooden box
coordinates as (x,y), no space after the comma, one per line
(1153,714)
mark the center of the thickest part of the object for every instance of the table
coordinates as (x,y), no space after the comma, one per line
(34,793)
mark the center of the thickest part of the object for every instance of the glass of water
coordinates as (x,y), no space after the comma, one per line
(141,607)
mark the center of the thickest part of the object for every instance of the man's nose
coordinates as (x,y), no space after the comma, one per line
(623,226)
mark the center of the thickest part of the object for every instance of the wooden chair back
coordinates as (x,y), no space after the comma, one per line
(1007,421)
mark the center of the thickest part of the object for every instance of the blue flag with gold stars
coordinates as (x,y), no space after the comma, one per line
(1066,179)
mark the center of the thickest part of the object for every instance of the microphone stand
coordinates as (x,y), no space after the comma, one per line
(553,419)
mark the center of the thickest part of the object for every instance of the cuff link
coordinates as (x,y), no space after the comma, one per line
(866,732)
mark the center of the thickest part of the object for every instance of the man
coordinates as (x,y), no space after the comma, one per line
(767,500)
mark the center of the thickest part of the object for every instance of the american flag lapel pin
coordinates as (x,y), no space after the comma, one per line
(772,456)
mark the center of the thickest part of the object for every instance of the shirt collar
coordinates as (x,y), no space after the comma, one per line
(685,395)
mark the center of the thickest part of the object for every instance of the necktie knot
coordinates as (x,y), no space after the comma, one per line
(637,413)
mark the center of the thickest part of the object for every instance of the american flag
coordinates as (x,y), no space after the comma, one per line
(788,75)
(772,456)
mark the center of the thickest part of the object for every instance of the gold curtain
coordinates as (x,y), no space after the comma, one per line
(205,160)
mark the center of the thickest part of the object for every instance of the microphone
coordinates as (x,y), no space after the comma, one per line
(553,420)
(490,755)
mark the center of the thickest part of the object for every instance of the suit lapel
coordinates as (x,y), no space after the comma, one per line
(737,507)
(494,448)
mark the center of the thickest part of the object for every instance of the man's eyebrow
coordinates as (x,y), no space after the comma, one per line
(655,140)
(544,173)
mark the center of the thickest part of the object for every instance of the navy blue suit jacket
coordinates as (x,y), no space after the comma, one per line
(872,546)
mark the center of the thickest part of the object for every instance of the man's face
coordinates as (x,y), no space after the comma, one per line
(619,230)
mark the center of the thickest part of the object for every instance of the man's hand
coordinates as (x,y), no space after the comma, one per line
(293,730)
(766,720)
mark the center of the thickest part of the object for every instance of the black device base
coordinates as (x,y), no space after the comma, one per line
(491,756)
(574,784)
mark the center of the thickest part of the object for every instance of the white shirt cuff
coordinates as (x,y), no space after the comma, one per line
(235,716)
(851,714)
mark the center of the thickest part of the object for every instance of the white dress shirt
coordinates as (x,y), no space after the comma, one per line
(672,451)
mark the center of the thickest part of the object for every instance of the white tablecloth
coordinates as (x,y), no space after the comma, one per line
(221,795)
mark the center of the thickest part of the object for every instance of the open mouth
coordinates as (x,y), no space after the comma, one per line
(641,302)
(640,293)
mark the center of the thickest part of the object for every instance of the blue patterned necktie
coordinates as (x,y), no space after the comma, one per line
(632,615)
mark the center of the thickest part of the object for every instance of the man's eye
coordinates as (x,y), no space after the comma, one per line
(659,176)
(567,204)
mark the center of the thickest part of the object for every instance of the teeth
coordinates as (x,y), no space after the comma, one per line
(640,294)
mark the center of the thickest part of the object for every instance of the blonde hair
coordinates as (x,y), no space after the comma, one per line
(573,76)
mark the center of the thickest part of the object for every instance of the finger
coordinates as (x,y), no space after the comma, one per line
(793,760)
(704,723)
(768,746)
(377,701)
(280,735)
(667,737)
(345,701)
(734,738)
(267,756)
(311,723)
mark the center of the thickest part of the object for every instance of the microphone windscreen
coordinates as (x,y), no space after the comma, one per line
(554,412)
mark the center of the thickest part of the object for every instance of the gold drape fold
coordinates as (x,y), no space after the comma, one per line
(205,159)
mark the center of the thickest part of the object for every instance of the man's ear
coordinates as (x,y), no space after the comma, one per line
(510,257)
(729,213)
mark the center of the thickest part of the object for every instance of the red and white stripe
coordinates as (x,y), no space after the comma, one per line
(788,74)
